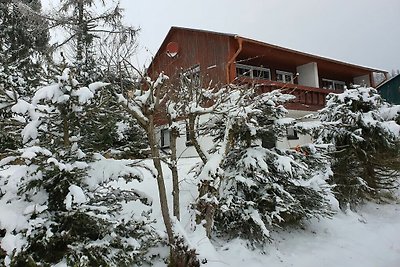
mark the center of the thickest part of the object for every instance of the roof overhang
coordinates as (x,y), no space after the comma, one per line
(253,49)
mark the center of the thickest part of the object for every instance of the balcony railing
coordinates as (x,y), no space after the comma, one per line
(307,98)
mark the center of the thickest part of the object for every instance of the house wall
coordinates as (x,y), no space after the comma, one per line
(390,90)
(308,74)
(183,149)
(217,55)
(362,80)
(206,142)
(285,143)
(209,50)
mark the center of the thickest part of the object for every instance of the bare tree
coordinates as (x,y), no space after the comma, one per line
(187,102)
(114,50)
(142,104)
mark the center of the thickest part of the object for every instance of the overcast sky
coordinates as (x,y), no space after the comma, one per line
(363,32)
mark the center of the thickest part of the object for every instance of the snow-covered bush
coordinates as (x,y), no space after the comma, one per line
(365,133)
(263,188)
(66,202)
(251,188)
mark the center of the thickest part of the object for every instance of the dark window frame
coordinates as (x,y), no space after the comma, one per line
(287,77)
(291,134)
(164,134)
(333,84)
(253,72)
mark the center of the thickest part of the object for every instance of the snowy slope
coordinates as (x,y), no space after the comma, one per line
(369,238)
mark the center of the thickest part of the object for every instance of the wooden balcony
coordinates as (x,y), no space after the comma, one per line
(307,98)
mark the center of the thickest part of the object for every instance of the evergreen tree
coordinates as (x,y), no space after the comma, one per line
(23,47)
(72,213)
(87,28)
(23,44)
(365,133)
(252,188)
(111,128)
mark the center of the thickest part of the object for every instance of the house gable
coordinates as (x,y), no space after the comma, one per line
(208,50)
(222,59)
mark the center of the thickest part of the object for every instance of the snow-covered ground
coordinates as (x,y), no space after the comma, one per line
(368,238)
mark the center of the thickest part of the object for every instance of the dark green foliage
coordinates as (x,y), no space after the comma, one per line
(362,128)
(254,198)
(67,133)
(56,183)
(256,188)
(23,54)
(60,133)
(85,240)
(111,128)
(23,44)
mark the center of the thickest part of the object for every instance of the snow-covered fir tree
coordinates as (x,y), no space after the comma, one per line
(248,185)
(111,128)
(23,47)
(23,43)
(88,23)
(364,131)
(67,198)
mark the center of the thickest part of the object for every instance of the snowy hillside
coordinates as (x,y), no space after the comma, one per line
(369,238)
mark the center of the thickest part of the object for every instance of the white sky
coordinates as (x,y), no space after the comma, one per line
(363,32)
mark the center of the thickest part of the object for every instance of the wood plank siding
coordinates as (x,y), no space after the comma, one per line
(218,55)
(208,50)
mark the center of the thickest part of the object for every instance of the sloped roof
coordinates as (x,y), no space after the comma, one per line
(392,79)
(283,49)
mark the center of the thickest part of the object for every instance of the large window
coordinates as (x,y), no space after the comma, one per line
(284,76)
(252,72)
(333,84)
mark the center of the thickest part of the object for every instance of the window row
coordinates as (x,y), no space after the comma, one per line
(268,139)
(262,73)
(333,84)
(254,72)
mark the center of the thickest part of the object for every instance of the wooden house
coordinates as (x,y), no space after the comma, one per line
(220,59)
(217,59)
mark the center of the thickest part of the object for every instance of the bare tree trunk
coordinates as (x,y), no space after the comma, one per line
(174,169)
(207,209)
(193,139)
(64,114)
(80,33)
(155,153)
